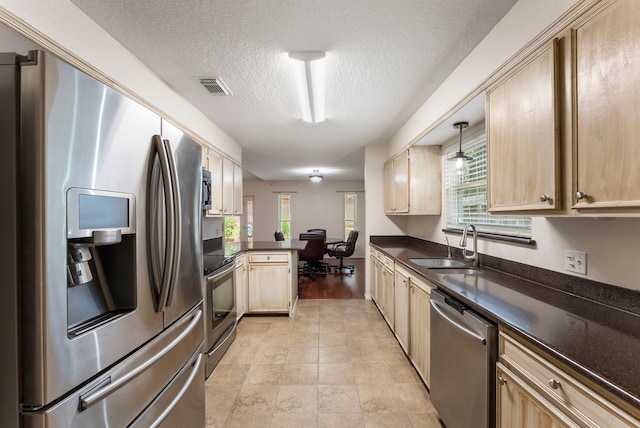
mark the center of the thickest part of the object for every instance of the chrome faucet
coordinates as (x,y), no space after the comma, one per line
(449,254)
(463,243)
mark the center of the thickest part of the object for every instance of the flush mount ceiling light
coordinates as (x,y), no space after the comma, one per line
(315,176)
(460,158)
(310,75)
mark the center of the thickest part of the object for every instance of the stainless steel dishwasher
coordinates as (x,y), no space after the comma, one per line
(463,358)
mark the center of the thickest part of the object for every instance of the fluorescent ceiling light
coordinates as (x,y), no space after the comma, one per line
(310,75)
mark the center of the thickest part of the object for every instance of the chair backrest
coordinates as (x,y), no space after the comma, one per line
(314,250)
(348,249)
(279,236)
(320,231)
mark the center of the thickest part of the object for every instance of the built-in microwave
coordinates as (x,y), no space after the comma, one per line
(206,190)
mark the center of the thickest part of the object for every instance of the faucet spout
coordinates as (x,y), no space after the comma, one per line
(473,257)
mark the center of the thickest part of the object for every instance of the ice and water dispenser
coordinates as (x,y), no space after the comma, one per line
(101,257)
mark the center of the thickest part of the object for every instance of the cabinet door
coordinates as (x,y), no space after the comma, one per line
(607,90)
(389,296)
(227,187)
(215,166)
(240,276)
(379,267)
(372,278)
(419,326)
(401,183)
(237,189)
(523,137)
(269,287)
(401,308)
(205,158)
(518,405)
(388,187)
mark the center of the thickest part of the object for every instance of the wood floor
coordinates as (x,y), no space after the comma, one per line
(334,285)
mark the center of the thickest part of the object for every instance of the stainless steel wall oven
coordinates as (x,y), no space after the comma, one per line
(220,325)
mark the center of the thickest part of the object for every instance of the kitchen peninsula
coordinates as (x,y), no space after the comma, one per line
(266,275)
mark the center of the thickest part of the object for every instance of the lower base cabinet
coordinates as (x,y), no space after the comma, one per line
(419,327)
(240,278)
(270,280)
(533,392)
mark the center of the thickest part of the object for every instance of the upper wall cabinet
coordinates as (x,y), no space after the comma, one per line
(522,136)
(226,184)
(606,46)
(412,182)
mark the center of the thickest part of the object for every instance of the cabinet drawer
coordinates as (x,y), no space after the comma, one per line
(582,404)
(422,284)
(268,258)
(241,260)
(388,262)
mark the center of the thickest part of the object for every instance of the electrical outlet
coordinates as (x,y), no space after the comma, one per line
(575,261)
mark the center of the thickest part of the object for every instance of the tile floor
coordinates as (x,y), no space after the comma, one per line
(335,364)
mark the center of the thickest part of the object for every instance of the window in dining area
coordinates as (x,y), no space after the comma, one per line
(284,214)
(350,203)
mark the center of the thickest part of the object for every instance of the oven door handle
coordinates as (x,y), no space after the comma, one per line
(473,334)
(217,274)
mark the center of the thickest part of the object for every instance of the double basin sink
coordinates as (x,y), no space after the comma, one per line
(445,266)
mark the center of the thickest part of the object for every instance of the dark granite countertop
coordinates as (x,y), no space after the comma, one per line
(600,342)
(232,248)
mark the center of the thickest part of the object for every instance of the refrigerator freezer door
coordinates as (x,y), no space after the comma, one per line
(155,374)
(78,133)
(186,289)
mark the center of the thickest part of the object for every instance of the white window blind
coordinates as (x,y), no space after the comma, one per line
(467,193)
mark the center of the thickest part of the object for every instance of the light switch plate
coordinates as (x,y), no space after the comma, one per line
(575,261)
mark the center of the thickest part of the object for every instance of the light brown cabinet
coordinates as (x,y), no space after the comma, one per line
(401,306)
(412,182)
(419,327)
(522,136)
(270,282)
(532,391)
(607,90)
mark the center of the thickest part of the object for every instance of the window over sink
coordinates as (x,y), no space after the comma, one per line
(466,194)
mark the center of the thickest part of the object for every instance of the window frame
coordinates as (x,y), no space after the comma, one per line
(286,233)
(354,220)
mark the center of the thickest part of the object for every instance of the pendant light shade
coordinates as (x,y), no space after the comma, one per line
(460,158)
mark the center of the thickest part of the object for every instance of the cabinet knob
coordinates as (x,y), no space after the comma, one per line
(581,195)
(553,384)
(502,380)
(545,198)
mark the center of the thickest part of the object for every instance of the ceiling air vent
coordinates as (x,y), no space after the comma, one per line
(215,86)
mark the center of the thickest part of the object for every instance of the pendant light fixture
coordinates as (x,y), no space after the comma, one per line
(315,176)
(460,158)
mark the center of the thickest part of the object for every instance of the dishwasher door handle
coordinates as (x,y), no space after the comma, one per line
(473,334)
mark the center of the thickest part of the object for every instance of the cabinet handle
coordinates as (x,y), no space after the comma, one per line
(581,195)
(553,384)
(502,380)
(546,198)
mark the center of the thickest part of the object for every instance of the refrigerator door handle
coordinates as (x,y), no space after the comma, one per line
(162,274)
(107,387)
(177,218)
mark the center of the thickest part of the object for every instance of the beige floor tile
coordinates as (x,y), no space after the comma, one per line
(241,354)
(294,420)
(414,398)
(332,327)
(300,374)
(333,339)
(425,420)
(404,373)
(248,420)
(305,339)
(306,327)
(282,339)
(335,374)
(279,328)
(271,354)
(338,399)
(386,420)
(374,399)
(302,354)
(341,420)
(264,374)
(228,374)
(297,399)
(218,401)
(334,354)
(372,373)
(255,399)
(251,327)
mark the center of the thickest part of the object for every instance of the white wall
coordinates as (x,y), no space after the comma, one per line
(59,26)
(312,206)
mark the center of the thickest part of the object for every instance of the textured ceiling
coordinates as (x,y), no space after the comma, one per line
(384,59)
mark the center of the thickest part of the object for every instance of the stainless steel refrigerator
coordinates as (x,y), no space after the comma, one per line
(101,301)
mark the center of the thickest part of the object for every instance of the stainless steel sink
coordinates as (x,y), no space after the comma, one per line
(456,271)
(435,262)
